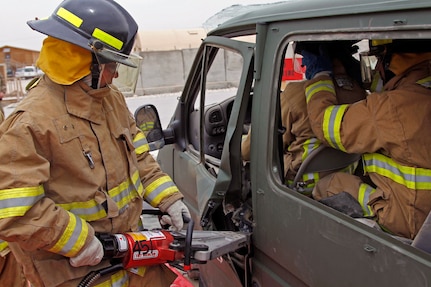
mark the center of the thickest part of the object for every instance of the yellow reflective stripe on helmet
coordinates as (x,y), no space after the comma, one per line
(140,143)
(73,237)
(332,125)
(364,196)
(159,189)
(3,245)
(69,17)
(411,177)
(379,42)
(17,201)
(118,279)
(107,38)
(319,86)
(122,195)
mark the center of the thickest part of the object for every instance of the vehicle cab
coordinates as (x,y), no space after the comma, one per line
(296,241)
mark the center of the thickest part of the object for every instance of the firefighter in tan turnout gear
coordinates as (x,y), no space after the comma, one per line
(298,139)
(73,161)
(390,128)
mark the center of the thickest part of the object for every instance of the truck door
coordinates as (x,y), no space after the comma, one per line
(208,124)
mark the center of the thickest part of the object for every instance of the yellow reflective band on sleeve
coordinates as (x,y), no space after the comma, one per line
(319,86)
(364,196)
(118,279)
(69,17)
(159,189)
(332,125)
(107,38)
(415,178)
(140,143)
(73,237)
(3,245)
(17,201)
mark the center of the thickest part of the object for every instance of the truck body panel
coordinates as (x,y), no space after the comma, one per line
(296,241)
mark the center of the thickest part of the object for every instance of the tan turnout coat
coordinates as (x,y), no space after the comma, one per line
(73,163)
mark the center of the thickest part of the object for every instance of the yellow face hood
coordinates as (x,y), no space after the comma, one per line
(63,62)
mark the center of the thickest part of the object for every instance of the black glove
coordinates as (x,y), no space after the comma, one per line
(345,203)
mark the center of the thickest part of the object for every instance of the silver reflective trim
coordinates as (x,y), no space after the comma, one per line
(73,238)
(157,191)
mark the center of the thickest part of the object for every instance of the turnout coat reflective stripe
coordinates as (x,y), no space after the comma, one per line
(73,163)
(395,124)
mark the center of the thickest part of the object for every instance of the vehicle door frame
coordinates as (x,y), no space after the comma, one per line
(191,172)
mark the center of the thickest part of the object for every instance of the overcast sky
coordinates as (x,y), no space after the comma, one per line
(149,14)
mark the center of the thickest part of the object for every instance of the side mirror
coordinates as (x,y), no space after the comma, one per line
(148,120)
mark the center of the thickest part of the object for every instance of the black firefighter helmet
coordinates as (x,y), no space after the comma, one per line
(101,26)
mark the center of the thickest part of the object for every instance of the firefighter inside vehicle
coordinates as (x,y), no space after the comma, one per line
(388,129)
(298,138)
(391,70)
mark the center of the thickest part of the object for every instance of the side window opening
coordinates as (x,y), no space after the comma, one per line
(213,110)
(307,159)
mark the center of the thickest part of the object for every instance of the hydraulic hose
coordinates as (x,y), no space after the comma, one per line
(91,277)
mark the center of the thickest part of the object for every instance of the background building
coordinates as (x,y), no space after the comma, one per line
(12,58)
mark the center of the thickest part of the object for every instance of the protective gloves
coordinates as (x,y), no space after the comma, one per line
(316,63)
(177,212)
(90,255)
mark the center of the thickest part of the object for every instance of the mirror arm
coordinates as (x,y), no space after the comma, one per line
(169,135)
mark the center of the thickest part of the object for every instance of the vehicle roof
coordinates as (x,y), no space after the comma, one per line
(302,9)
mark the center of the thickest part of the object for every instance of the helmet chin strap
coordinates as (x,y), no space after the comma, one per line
(95,72)
(388,74)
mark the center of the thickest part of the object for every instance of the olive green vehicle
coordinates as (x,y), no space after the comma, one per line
(294,240)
